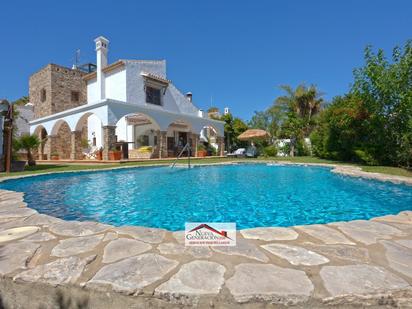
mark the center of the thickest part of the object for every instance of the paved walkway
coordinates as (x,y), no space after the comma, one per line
(344,263)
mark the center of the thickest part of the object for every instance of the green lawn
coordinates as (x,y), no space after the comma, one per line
(47,168)
(387,170)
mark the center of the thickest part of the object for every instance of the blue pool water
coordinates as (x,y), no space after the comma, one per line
(251,195)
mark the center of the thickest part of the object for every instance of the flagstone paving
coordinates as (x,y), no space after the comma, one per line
(17,232)
(344,263)
(325,234)
(399,257)
(123,248)
(65,270)
(367,232)
(269,283)
(76,245)
(16,256)
(270,233)
(359,279)
(132,274)
(296,255)
(193,280)
(243,248)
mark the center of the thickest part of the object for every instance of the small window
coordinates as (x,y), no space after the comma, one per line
(145,140)
(75,96)
(155,140)
(43,95)
(153,95)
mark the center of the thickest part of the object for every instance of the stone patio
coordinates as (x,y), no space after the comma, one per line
(45,261)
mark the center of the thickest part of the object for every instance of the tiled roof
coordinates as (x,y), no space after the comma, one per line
(156,77)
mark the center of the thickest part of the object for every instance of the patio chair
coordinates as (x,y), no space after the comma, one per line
(239,153)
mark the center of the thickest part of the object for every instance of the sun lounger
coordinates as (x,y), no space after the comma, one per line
(238,153)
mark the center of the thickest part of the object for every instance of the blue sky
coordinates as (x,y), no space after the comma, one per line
(235,52)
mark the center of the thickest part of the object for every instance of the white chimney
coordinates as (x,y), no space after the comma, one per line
(227,110)
(102,45)
(200,113)
(189,96)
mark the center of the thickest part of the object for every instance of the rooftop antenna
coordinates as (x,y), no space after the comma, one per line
(76,59)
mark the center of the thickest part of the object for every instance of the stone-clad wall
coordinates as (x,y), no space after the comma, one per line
(63,141)
(38,81)
(59,82)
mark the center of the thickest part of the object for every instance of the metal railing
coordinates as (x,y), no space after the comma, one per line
(189,152)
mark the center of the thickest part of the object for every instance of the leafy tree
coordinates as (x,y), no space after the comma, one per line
(385,88)
(300,106)
(340,129)
(233,128)
(373,123)
(268,120)
(28,143)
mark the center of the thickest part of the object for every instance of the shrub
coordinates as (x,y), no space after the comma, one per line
(28,143)
(365,157)
(270,151)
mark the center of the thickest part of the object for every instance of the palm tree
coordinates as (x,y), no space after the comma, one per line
(300,105)
(27,142)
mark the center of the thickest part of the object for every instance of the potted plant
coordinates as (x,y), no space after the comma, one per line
(28,143)
(54,156)
(115,154)
(201,150)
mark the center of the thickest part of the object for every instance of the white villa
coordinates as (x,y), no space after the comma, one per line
(128,101)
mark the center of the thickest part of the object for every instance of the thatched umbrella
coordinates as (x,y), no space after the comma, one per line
(253,134)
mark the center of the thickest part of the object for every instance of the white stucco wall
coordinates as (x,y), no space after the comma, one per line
(94,125)
(92,95)
(122,131)
(116,85)
(173,100)
(126,84)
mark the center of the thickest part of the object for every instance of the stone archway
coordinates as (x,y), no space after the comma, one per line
(41,133)
(60,141)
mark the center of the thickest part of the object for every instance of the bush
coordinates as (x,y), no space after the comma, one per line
(28,143)
(365,157)
(270,151)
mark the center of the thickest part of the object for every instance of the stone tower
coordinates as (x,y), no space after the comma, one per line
(56,88)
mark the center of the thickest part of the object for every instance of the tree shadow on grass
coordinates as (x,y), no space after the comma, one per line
(44,167)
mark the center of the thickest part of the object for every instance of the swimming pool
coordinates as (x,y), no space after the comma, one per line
(251,195)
